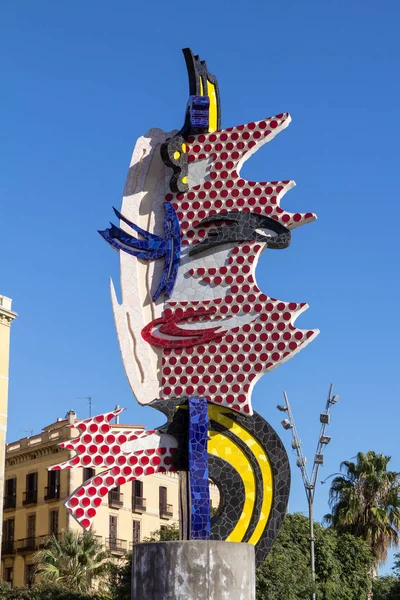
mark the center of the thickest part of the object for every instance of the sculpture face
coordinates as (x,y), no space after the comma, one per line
(194,329)
(192,321)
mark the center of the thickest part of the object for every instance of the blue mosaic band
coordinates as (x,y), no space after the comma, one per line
(198,469)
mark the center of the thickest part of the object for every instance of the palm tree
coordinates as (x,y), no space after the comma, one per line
(365,502)
(74,560)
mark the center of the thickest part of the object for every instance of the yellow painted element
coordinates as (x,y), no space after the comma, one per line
(176,155)
(220,445)
(213,116)
(201,87)
(184,148)
(184,179)
(218,413)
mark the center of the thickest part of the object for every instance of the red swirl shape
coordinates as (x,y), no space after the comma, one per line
(168,325)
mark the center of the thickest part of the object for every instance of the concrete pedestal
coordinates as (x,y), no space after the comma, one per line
(193,570)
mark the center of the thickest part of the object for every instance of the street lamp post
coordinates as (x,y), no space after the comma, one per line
(309,481)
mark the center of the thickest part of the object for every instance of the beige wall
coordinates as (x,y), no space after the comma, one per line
(40,452)
(6,318)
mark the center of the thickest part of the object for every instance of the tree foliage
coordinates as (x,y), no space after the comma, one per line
(74,560)
(343,565)
(365,502)
(386,588)
(167,533)
(44,591)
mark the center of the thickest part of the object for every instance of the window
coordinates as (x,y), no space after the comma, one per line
(136,532)
(31,526)
(115,498)
(29,575)
(138,502)
(30,495)
(165,508)
(54,522)
(10,494)
(138,489)
(88,473)
(8,575)
(112,531)
(53,485)
(8,536)
(163,496)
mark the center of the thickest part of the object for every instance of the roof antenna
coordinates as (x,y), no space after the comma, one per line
(89,399)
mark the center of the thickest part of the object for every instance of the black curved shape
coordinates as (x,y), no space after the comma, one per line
(280,466)
(228,479)
(232,497)
(242,227)
(257,476)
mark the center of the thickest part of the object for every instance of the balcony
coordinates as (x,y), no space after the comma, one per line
(138,504)
(115,499)
(43,539)
(52,493)
(10,501)
(166,511)
(7,547)
(116,546)
(27,545)
(30,497)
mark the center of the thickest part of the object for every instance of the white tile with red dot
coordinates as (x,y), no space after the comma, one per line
(125,453)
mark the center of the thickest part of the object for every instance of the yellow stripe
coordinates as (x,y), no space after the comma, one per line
(201,87)
(213,122)
(263,462)
(220,445)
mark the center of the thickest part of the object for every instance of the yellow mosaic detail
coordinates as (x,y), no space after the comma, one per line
(220,415)
(213,117)
(221,446)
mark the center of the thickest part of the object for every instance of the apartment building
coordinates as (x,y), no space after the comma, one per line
(6,318)
(34,501)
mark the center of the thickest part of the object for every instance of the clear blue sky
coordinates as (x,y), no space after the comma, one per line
(82,80)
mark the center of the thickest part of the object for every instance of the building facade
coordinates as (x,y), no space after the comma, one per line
(6,318)
(34,501)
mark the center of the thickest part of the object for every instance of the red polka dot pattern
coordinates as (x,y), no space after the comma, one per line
(226,190)
(225,369)
(126,455)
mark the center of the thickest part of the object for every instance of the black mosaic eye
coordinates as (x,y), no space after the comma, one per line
(236,227)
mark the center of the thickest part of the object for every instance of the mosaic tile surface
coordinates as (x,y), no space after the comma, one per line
(246,460)
(198,469)
(195,331)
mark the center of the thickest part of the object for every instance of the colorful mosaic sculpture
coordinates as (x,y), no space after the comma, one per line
(195,331)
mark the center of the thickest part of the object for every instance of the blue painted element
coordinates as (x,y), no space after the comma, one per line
(198,469)
(199,109)
(152,246)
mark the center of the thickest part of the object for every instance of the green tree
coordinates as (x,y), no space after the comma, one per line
(343,565)
(43,591)
(365,502)
(74,560)
(386,588)
(166,533)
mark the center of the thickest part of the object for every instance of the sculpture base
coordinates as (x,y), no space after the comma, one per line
(193,570)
